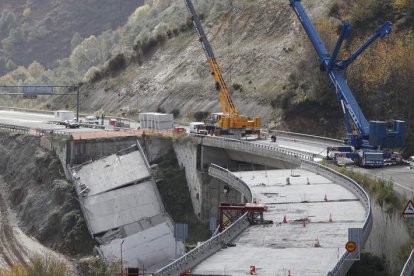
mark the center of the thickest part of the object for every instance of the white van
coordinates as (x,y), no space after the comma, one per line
(411,162)
(92,120)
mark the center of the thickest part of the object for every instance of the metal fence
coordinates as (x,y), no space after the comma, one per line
(408,268)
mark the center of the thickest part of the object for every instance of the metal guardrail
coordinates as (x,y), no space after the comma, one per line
(235,182)
(14,128)
(345,262)
(206,249)
(298,157)
(408,268)
(307,136)
(291,156)
(34,131)
(215,243)
(211,246)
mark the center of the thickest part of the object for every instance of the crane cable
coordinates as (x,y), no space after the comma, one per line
(230,44)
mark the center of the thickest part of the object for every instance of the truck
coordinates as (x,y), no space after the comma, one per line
(229,121)
(198,128)
(371,143)
(63,115)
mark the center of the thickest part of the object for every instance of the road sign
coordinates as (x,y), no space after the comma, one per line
(354,244)
(408,211)
(350,246)
(38,90)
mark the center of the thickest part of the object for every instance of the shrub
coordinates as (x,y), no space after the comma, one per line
(236,86)
(117,63)
(175,112)
(160,109)
(200,115)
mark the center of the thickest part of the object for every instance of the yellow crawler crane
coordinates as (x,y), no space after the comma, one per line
(229,121)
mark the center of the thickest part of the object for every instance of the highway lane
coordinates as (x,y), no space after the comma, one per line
(401,175)
(37,120)
(301,143)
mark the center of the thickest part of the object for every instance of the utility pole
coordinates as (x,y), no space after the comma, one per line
(122,266)
(77,103)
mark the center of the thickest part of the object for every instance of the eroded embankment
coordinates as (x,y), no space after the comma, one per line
(36,188)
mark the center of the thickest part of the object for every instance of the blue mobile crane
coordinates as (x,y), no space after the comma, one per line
(369,143)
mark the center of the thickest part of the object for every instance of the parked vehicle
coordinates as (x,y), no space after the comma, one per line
(198,128)
(411,162)
(71,124)
(92,120)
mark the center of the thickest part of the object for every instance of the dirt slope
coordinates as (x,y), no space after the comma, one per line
(35,187)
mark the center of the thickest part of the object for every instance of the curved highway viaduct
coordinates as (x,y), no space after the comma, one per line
(279,178)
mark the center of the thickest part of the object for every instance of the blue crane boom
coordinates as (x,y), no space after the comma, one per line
(361,133)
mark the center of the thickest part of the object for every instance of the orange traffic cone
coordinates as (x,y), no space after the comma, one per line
(325,198)
(285,219)
(289,273)
(307,182)
(330,217)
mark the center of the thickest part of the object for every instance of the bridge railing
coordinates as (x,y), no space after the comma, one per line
(305,160)
(292,156)
(345,262)
(408,268)
(235,182)
(206,249)
(14,128)
(306,136)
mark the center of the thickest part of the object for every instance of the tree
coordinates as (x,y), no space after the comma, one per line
(7,23)
(86,54)
(75,41)
(10,65)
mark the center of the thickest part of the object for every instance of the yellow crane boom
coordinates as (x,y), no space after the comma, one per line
(230,118)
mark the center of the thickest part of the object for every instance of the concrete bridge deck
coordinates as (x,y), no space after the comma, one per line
(277,248)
